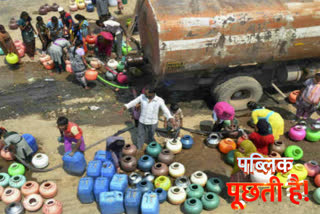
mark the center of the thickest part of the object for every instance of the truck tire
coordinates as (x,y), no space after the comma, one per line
(238,91)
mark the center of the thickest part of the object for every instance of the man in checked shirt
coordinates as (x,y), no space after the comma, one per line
(150,104)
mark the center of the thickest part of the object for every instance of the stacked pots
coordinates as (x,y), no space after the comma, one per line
(128,163)
(129,149)
(159,169)
(166,156)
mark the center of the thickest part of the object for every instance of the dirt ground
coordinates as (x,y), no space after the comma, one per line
(31,100)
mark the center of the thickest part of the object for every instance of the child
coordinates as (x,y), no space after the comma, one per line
(70,132)
(262,137)
(16,144)
(43,33)
(115,145)
(177,114)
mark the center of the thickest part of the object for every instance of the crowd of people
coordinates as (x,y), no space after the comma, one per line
(63,37)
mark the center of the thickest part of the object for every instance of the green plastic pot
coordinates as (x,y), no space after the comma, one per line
(227,123)
(4,179)
(1,52)
(215,185)
(128,22)
(126,50)
(153,149)
(313,135)
(16,169)
(210,201)
(162,182)
(316,195)
(12,58)
(124,1)
(294,152)
(192,206)
(120,67)
(230,157)
(17,181)
(195,191)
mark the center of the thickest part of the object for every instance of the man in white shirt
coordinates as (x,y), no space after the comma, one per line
(150,104)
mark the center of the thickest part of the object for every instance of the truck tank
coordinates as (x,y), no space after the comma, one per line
(191,35)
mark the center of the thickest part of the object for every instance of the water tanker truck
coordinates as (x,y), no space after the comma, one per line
(235,47)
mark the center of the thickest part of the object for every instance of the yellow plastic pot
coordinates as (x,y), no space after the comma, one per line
(298,169)
(12,58)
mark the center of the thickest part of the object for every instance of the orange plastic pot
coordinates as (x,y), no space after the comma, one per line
(49,65)
(91,39)
(18,43)
(317,180)
(32,202)
(48,189)
(10,195)
(293,96)
(227,145)
(44,58)
(69,68)
(21,52)
(91,74)
(95,64)
(52,206)
(6,154)
(30,187)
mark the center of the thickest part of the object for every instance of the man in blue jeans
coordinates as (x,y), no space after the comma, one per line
(150,104)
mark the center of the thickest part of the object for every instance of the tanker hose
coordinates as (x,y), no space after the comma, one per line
(112,84)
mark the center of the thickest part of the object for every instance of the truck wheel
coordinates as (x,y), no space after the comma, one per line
(238,91)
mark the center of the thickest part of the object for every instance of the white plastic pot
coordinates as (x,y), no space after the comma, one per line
(176,170)
(112,64)
(40,160)
(174,145)
(199,178)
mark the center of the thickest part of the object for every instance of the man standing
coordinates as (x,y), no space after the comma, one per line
(66,21)
(148,121)
(103,9)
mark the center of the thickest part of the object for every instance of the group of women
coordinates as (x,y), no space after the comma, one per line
(57,40)
(269,126)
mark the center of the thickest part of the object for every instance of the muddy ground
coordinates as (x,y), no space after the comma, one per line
(31,100)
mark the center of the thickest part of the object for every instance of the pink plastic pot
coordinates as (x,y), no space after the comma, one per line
(122,78)
(313,168)
(6,154)
(52,206)
(297,133)
(11,195)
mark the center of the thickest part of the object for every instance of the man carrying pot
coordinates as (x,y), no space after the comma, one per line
(150,104)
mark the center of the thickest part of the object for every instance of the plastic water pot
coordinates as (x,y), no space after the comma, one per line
(75,165)
(119,182)
(31,141)
(101,184)
(85,190)
(132,201)
(111,202)
(94,168)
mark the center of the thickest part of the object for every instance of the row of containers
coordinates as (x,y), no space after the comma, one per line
(134,193)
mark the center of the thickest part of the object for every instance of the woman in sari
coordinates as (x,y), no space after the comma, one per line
(78,63)
(104,43)
(28,34)
(56,52)
(6,42)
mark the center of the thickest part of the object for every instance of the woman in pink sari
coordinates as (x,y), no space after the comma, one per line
(104,43)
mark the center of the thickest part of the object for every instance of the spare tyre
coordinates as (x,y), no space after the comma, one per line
(238,91)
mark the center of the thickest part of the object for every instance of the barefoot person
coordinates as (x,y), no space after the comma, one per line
(71,133)
(78,63)
(148,121)
(6,42)
(115,145)
(28,34)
